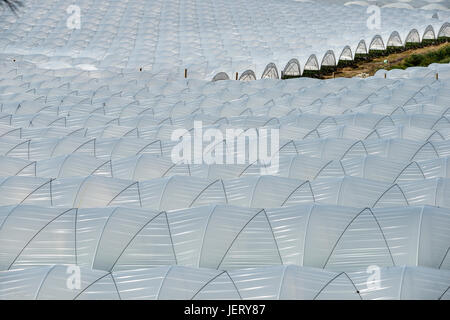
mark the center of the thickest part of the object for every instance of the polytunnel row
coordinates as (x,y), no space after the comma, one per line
(287,131)
(146,167)
(326,148)
(381,96)
(86,177)
(244,112)
(173,283)
(292,126)
(225,237)
(197,97)
(125,35)
(329,63)
(179,192)
(101,127)
(348,94)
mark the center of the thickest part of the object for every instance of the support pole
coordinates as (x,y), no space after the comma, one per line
(185,73)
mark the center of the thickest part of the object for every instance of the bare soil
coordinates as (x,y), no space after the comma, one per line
(371,67)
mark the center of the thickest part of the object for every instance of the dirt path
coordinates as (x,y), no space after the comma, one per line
(371,67)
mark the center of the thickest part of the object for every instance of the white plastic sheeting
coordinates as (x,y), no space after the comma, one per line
(395,40)
(172,282)
(429,33)
(410,4)
(225,237)
(148,103)
(87,179)
(292,68)
(328,148)
(257,192)
(425,127)
(145,167)
(165,38)
(151,106)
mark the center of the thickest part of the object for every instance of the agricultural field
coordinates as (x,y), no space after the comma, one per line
(227,149)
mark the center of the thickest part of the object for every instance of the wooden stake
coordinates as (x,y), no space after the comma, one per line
(437,76)
(185,73)
(385,75)
(237,74)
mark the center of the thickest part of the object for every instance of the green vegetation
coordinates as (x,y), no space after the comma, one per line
(423,60)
